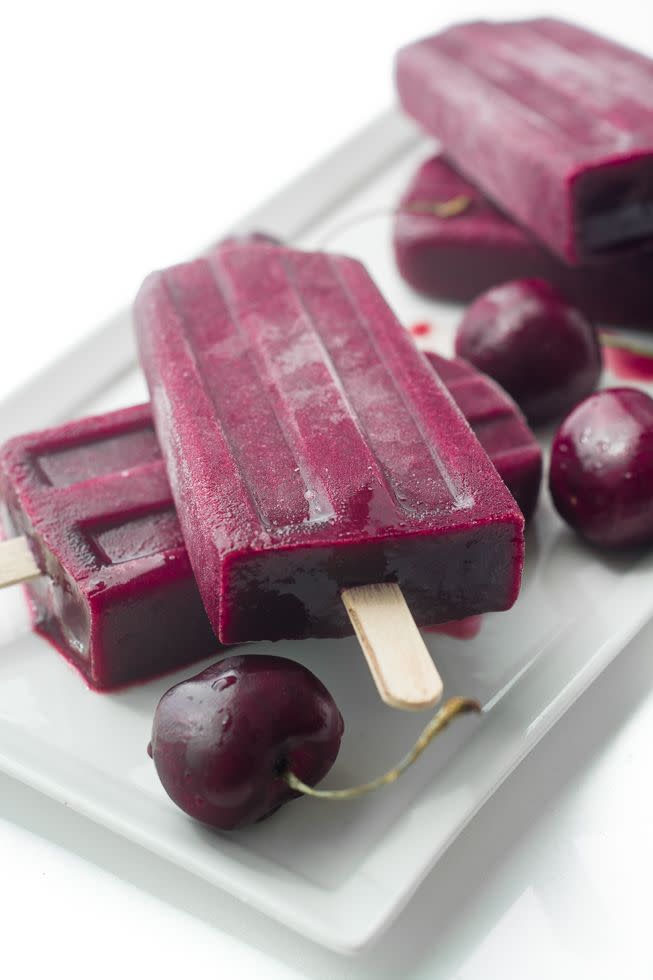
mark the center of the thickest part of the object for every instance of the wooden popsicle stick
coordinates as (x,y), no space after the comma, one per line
(16,562)
(397,656)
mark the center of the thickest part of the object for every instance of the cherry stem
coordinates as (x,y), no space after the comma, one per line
(446,714)
(611,340)
(441,209)
(449,208)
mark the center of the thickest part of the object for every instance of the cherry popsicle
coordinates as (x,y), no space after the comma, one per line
(100,548)
(138,630)
(554,123)
(321,472)
(499,426)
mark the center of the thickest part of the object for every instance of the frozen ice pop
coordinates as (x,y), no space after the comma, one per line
(40,471)
(118,598)
(460,258)
(553,122)
(499,426)
(310,449)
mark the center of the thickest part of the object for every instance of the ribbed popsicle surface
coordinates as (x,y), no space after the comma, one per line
(295,413)
(318,422)
(498,425)
(117,597)
(529,111)
(558,88)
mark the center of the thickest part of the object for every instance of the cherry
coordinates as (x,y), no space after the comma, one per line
(527,337)
(222,740)
(601,475)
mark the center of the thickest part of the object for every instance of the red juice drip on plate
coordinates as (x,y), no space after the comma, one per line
(422,329)
(460,629)
(627,361)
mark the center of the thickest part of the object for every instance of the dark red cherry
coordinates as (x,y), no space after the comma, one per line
(222,739)
(601,475)
(527,337)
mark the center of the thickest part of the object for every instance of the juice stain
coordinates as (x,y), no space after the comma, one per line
(460,629)
(422,329)
(625,360)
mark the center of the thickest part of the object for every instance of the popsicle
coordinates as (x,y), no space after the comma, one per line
(311,451)
(499,426)
(92,502)
(459,258)
(553,122)
(40,472)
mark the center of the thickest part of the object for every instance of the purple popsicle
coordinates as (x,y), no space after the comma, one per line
(498,425)
(459,258)
(149,617)
(554,123)
(310,449)
(118,598)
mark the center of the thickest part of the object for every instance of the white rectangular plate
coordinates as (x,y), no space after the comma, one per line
(336,872)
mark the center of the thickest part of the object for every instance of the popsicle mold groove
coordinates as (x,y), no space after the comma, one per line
(554,123)
(318,394)
(215,341)
(90,458)
(125,539)
(280,382)
(565,94)
(118,597)
(499,426)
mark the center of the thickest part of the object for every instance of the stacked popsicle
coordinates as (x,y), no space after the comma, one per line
(111,584)
(324,479)
(311,450)
(548,135)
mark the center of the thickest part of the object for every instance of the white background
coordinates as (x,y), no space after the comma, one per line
(132,134)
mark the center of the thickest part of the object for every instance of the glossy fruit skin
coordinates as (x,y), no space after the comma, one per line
(221,739)
(543,351)
(601,475)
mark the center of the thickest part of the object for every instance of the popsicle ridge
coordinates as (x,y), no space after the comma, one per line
(214,332)
(92,498)
(528,91)
(359,425)
(425,481)
(85,458)
(326,377)
(499,426)
(565,88)
(489,413)
(460,74)
(292,371)
(606,55)
(118,501)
